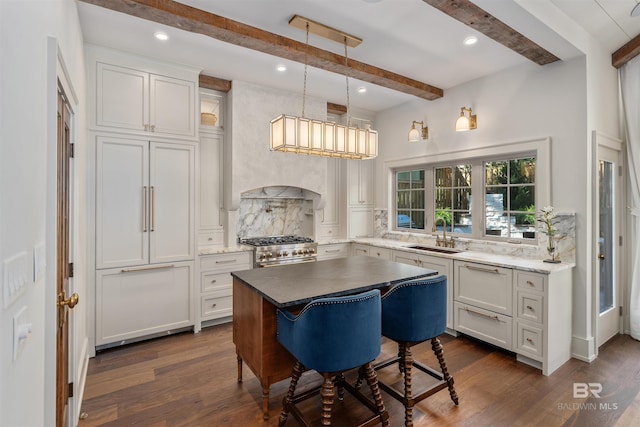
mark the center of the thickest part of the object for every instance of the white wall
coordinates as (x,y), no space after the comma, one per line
(523,103)
(27,154)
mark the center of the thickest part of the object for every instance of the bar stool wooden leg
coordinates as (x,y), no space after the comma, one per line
(372,381)
(327,399)
(437,349)
(407,364)
(298,369)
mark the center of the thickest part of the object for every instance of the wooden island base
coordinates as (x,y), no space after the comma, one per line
(255,338)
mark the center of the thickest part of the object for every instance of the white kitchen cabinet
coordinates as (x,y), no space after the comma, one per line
(210,165)
(134,302)
(360,222)
(216,284)
(360,182)
(333,251)
(525,312)
(138,101)
(330,224)
(144,202)
(444,266)
(358,249)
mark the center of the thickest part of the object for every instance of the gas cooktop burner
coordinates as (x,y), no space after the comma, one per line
(275,240)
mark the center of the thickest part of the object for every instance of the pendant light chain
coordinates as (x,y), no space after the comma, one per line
(304,91)
(346,75)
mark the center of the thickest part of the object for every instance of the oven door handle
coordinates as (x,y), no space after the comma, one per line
(277,264)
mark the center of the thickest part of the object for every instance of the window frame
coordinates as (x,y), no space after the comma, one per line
(538,148)
(395,200)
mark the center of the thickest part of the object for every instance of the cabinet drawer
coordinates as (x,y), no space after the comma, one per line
(530,281)
(216,306)
(530,307)
(211,238)
(380,253)
(215,282)
(482,324)
(406,258)
(226,262)
(361,249)
(340,250)
(484,286)
(529,340)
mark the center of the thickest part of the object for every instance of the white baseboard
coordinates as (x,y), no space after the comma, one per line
(584,349)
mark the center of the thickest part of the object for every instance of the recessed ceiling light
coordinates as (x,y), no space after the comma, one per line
(470,40)
(281,68)
(161,36)
(362,89)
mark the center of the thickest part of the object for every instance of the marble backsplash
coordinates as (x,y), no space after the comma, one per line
(565,239)
(275,211)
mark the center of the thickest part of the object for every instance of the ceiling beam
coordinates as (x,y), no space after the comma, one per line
(187,18)
(214,83)
(626,53)
(338,109)
(480,20)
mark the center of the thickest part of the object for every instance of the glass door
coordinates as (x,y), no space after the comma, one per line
(607,246)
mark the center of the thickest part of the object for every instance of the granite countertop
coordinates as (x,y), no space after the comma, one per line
(296,284)
(500,260)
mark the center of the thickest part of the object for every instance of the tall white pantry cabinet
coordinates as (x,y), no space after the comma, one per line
(142,123)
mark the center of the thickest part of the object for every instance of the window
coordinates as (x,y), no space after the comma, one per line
(453,198)
(510,198)
(491,192)
(410,206)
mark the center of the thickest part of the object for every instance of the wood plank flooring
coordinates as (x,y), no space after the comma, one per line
(190,380)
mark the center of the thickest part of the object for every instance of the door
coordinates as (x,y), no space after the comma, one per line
(64,269)
(608,250)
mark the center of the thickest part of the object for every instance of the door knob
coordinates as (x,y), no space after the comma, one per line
(601,257)
(70,302)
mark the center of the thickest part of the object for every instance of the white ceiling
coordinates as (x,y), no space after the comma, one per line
(408,37)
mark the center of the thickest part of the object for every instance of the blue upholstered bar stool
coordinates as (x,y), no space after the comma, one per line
(332,336)
(413,312)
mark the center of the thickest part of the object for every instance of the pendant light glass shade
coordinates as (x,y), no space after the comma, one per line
(303,136)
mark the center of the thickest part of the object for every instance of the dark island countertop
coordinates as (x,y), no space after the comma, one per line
(296,284)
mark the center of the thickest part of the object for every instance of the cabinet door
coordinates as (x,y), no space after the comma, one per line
(331,211)
(134,302)
(122,97)
(361,176)
(172,106)
(172,202)
(122,186)
(360,222)
(210,180)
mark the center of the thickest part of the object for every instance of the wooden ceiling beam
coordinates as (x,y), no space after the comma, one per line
(626,53)
(480,20)
(187,18)
(336,108)
(214,83)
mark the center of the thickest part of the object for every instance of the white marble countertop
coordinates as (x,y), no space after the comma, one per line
(527,264)
(521,263)
(219,250)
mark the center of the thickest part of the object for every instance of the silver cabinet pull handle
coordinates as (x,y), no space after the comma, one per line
(530,308)
(145,214)
(332,250)
(159,267)
(214,281)
(153,208)
(486,270)
(481,314)
(213,305)
(530,283)
(227,261)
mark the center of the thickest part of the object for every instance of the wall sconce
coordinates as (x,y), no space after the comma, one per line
(465,123)
(414,134)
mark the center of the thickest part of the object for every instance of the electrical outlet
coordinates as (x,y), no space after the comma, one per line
(17,273)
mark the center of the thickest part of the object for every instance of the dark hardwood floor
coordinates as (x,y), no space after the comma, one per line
(190,380)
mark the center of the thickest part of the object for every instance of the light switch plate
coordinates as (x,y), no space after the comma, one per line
(21,331)
(17,273)
(39,261)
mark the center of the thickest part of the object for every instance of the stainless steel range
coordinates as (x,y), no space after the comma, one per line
(271,251)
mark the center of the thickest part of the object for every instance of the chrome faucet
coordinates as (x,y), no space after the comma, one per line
(443,242)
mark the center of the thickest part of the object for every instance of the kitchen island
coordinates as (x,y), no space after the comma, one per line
(259,293)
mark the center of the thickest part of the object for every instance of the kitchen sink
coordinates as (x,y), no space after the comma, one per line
(434,249)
